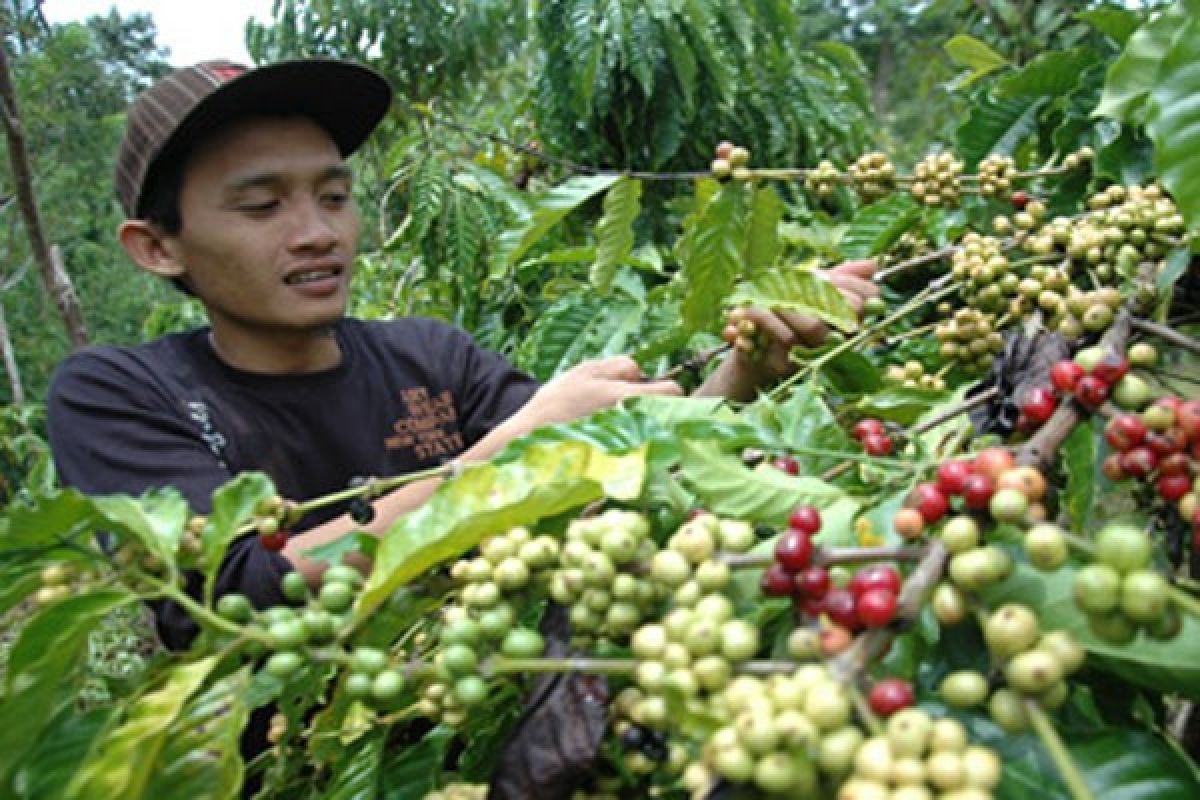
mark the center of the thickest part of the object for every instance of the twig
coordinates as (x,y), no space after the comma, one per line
(1058,752)
(1167,334)
(694,363)
(980,399)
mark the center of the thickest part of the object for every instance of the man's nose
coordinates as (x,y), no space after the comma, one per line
(313,227)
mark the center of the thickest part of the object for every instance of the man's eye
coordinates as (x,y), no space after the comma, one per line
(335,199)
(259,208)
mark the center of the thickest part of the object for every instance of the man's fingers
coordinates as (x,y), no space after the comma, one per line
(773,325)
(616,368)
(810,331)
(860,269)
(659,388)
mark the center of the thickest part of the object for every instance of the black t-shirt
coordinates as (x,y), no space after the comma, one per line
(407,395)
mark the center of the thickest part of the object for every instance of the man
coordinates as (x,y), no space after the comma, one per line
(234,186)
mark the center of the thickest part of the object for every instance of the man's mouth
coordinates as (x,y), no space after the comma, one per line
(311,276)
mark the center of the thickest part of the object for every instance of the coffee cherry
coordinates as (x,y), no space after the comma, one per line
(930,501)
(1172,488)
(964,689)
(876,607)
(1124,432)
(1011,629)
(1020,200)
(1111,368)
(1008,505)
(977,491)
(235,607)
(839,605)
(1046,546)
(813,582)
(1144,595)
(336,597)
(273,541)
(868,427)
(1065,375)
(877,444)
(806,519)
(794,550)
(1139,462)
(1096,588)
(949,604)
(776,581)
(891,695)
(1091,391)
(1033,672)
(952,476)
(1039,404)
(1188,418)
(787,464)
(992,462)
(909,523)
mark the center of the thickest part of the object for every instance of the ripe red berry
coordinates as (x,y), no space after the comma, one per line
(273,541)
(929,500)
(877,444)
(776,581)
(1168,442)
(891,695)
(1139,462)
(787,464)
(1020,199)
(794,550)
(993,462)
(977,491)
(952,476)
(1173,487)
(1187,417)
(1065,374)
(1175,464)
(876,607)
(1091,391)
(876,576)
(839,606)
(1039,404)
(868,427)
(813,582)
(805,518)
(1124,432)
(1112,469)
(1112,368)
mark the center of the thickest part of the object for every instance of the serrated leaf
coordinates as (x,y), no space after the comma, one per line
(1133,74)
(709,253)
(121,763)
(974,55)
(579,326)
(233,506)
(876,227)
(46,521)
(428,187)
(1051,74)
(358,769)
(997,125)
(728,488)
(1172,666)
(415,775)
(851,372)
(901,404)
(1079,463)
(550,209)
(762,230)
(200,758)
(155,519)
(489,498)
(1175,122)
(614,232)
(47,656)
(1116,23)
(799,288)
(47,769)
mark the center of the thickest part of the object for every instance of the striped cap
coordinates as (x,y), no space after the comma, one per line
(346,99)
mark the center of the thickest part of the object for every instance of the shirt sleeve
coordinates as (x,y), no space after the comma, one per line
(114,429)
(490,390)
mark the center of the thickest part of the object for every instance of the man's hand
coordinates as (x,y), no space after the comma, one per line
(740,375)
(589,387)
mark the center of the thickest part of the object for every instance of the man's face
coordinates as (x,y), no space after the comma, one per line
(269,229)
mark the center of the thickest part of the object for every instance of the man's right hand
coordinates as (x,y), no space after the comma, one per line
(587,388)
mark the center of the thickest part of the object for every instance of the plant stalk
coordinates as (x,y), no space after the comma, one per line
(1072,778)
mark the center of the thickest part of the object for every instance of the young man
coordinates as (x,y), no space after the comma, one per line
(234,186)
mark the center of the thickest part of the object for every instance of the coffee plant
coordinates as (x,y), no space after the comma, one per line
(952,555)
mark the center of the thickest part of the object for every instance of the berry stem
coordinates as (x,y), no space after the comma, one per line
(868,717)
(1185,602)
(824,557)
(983,398)
(1072,778)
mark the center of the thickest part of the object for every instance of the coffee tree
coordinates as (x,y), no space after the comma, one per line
(949,557)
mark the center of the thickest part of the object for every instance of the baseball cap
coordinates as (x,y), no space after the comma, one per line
(346,99)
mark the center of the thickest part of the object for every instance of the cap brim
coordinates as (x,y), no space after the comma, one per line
(348,100)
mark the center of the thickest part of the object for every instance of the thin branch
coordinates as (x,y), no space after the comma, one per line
(1169,335)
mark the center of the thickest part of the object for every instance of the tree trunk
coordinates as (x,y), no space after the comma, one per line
(10,361)
(54,275)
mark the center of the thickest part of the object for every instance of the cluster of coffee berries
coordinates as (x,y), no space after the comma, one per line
(936,180)
(729,161)
(1028,214)
(869,601)
(919,757)
(1035,665)
(743,334)
(1120,591)
(272,517)
(644,750)
(988,282)
(56,580)
(873,435)
(823,179)
(996,174)
(793,572)
(1097,373)
(782,731)
(873,176)
(969,337)
(912,375)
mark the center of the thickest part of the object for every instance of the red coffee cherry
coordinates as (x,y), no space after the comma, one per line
(868,427)
(891,695)
(794,550)
(1065,375)
(930,501)
(952,476)
(805,518)
(876,576)
(813,582)
(1091,391)
(1125,431)
(977,492)
(876,607)
(1039,404)
(776,581)
(877,444)
(787,464)
(273,541)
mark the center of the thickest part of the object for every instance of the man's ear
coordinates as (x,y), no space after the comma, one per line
(150,248)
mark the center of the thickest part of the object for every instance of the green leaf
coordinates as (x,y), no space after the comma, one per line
(125,756)
(155,519)
(47,769)
(1172,666)
(614,232)
(710,255)
(1134,73)
(18,581)
(577,327)
(762,230)
(233,505)
(905,405)
(850,372)
(800,288)
(551,208)
(997,125)
(42,665)
(48,520)
(201,759)
(876,227)
(728,488)
(974,55)
(420,771)
(1175,122)
(1116,23)
(489,498)
(1079,462)
(357,770)
(1051,74)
